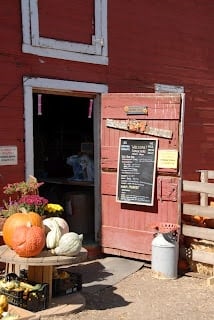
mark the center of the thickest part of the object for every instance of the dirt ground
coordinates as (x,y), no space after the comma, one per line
(141,296)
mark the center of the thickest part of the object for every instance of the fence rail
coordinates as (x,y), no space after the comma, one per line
(205,189)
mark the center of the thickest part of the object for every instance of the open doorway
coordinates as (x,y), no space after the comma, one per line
(34,86)
(63,128)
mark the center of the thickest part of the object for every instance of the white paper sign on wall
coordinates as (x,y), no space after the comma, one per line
(8,155)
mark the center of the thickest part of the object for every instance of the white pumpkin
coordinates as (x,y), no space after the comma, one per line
(53,236)
(49,224)
(70,244)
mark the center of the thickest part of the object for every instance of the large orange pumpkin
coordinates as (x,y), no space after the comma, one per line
(28,241)
(19,219)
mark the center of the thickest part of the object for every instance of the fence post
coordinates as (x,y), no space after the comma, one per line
(204,196)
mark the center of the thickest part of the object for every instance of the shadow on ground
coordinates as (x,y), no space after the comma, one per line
(99,278)
(104,298)
(106,272)
(91,272)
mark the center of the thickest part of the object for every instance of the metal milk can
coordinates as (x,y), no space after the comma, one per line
(165,256)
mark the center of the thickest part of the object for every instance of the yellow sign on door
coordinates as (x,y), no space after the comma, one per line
(168,159)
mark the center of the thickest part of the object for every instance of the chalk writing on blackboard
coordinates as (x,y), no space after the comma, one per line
(136,171)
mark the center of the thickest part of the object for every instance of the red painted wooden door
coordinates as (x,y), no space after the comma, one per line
(126,229)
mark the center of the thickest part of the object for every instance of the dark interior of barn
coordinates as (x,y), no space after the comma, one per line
(63,127)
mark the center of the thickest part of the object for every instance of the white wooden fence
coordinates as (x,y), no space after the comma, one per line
(206,190)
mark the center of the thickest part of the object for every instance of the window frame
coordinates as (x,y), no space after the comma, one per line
(33,43)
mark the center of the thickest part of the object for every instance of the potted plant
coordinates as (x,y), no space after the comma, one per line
(24,197)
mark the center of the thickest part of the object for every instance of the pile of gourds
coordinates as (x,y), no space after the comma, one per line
(28,234)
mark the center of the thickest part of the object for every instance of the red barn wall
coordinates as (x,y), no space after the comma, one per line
(149,42)
(169,42)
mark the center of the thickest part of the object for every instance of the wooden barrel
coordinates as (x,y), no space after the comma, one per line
(79,210)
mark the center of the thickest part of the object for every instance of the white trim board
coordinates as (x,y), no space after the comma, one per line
(62,86)
(52,85)
(96,52)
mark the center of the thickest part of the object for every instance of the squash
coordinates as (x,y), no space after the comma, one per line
(197,219)
(4,302)
(49,225)
(55,227)
(28,241)
(19,219)
(53,236)
(70,244)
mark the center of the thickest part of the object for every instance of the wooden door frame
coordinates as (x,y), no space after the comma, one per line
(72,88)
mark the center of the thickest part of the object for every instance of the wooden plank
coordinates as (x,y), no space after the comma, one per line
(204,196)
(133,240)
(109,157)
(45,258)
(35,273)
(210,173)
(125,125)
(22,313)
(194,209)
(203,256)
(108,184)
(159,107)
(197,232)
(47,274)
(195,186)
(132,255)
(164,133)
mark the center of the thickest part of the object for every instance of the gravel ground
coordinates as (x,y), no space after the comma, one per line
(140,296)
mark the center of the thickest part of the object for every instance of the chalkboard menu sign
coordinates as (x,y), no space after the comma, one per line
(136,171)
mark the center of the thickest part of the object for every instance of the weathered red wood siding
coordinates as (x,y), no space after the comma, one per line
(148,42)
(169,42)
(14,65)
(69,13)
